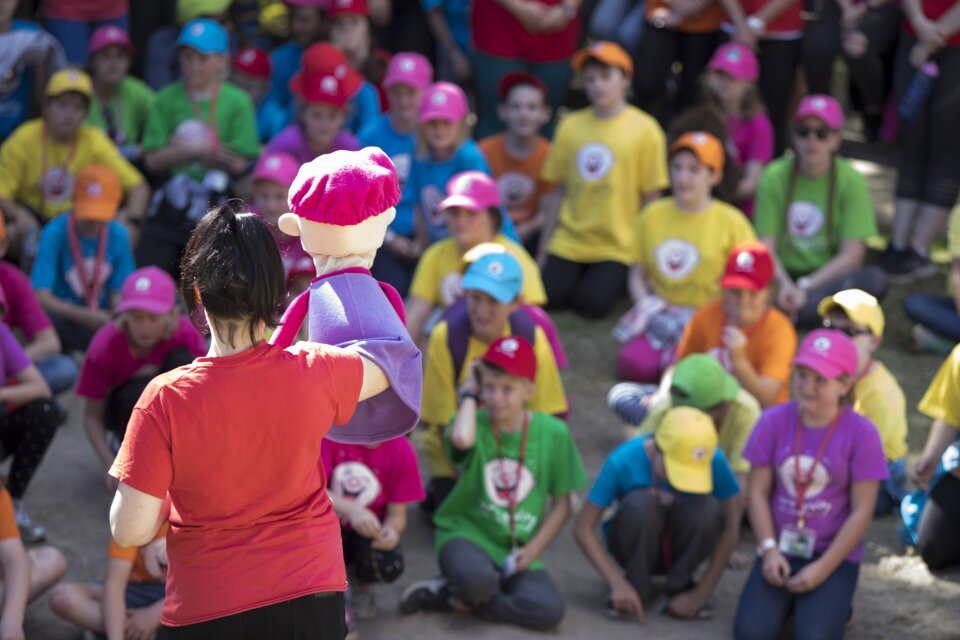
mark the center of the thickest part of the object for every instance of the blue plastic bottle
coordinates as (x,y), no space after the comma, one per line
(918,91)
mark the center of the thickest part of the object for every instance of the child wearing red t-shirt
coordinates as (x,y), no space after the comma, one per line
(371,486)
(148,337)
(126,605)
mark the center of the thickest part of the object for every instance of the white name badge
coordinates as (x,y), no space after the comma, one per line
(797,543)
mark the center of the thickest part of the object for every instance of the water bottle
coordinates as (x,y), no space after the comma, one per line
(918,91)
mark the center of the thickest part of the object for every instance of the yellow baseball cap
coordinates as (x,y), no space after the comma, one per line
(688,440)
(861,307)
(705,146)
(67,80)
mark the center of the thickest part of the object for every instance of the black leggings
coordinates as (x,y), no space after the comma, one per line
(930,145)
(939,530)
(120,402)
(778,69)
(822,43)
(319,616)
(658,50)
(590,289)
(26,434)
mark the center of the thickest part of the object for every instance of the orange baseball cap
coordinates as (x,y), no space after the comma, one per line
(609,53)
(705,146)
(97,193)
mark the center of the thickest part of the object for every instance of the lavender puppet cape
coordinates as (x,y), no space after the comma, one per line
(351,308)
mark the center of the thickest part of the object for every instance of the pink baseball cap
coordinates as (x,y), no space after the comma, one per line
(280,168)
(149,289)
(473,190)
(829,352)
(344,188)
(108,35)
(443,101)
(737,60)
(410,69)
(822,107)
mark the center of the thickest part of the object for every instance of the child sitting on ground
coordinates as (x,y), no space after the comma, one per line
(516,156)
(495,525)
(149,337)
(877,394)
(127,604)
(250,71)
(350,32)
(371,486)
(83,259)
(491,286)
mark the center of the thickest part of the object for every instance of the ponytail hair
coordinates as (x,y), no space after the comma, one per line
(232,267)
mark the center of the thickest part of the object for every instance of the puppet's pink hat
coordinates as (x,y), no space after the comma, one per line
(342,202)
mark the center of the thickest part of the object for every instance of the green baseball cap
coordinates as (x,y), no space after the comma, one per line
(700,382)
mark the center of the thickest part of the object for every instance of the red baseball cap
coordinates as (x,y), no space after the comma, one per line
(514,355)
(749,266)
(108,35)
(253,62)
(339,8)
(325,76)
(510,80)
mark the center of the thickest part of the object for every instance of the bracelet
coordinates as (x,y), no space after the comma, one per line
(767,544)
(468,394)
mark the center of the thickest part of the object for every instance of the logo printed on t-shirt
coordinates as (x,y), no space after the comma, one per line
(57,185)
(676,258)
(804,219)
(500,481)
(515,188)
(594,161)
(788,476)
(72,277)
(354,480)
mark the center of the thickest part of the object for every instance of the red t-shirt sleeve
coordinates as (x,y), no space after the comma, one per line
(145,461)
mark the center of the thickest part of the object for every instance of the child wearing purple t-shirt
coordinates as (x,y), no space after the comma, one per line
(148,337)
(28,421)
(371,486)
(815,469)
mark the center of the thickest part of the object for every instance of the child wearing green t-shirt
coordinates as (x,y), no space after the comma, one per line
(497,521)
(814,212)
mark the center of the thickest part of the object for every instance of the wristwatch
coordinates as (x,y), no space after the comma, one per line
(756,25)
(467,394)
(765,545)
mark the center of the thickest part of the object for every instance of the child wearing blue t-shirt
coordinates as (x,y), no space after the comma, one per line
(307,27)
(18,85)
(83,259)
(408,74)
(675,483)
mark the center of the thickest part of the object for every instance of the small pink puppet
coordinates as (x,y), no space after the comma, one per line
(340,206)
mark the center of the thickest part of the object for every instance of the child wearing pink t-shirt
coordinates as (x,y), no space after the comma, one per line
(271,180)
(149,337)
(731,81)
(371,486)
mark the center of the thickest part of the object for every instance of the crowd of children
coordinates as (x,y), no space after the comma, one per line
(121,128)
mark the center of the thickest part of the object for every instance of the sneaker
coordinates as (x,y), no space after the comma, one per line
(426,595)
(908,265)
(30,531)
(363,601)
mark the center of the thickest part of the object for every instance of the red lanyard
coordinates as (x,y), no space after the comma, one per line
(91,286)
(213,113)
(802,479)
(64,170)
(514,488)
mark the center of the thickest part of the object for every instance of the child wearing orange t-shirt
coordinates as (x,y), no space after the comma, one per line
(25,574)
(516,156)
(127,605)
(751,338)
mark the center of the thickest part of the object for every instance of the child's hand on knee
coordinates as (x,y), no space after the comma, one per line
(365,523)
(386,540)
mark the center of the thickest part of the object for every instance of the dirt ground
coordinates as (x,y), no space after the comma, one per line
(897,596)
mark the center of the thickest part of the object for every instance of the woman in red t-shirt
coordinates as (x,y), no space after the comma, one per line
(233,442)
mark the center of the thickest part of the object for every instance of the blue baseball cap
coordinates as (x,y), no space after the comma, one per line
(496,274)
(204,35)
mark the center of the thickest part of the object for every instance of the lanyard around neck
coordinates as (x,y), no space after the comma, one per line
(803,480)
(91,286)
(514,488)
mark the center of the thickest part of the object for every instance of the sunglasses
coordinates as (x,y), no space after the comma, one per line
(803,131)
(852,332)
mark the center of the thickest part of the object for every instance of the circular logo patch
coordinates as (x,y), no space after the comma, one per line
(272,163)
(804,219)
(822,344)
(676,258)
(94,190)
(495,268)
(329,84)
(439,99)
(509,346)
(699,453)
(745,261)
(594,161)
(247,56)
(142,284)
(406,65)
(819,104)
(196,30)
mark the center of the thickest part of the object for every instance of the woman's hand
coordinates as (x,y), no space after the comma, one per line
(808,578)
(776,569)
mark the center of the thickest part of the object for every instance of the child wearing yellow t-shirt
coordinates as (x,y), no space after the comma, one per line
(876,394)
(606,161)
(684,241)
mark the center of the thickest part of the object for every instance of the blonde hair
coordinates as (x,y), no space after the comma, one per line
(421,151)
(172,316)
